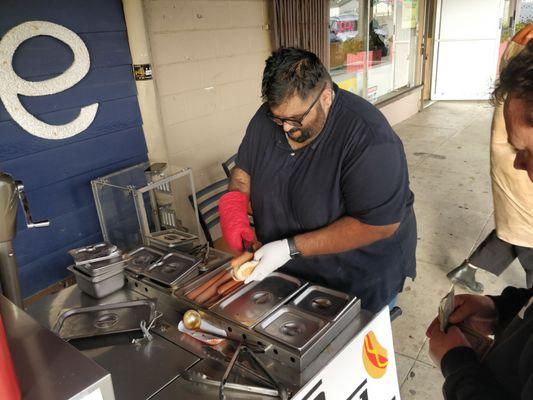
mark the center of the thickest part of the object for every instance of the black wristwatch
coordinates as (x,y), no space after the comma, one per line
(293,251)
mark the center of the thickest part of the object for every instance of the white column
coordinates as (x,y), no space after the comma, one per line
(146,90)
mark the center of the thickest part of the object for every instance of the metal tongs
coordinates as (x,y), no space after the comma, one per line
(280,390)
(147,336)
(201,252)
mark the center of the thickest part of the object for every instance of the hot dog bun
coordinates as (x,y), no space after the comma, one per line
(244,271)
(239,260)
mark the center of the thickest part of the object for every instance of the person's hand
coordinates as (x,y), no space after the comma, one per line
(476,312)
(271,256)
(234,222)
(440,343)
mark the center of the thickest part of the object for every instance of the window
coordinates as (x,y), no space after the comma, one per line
(373,46)
(347,44)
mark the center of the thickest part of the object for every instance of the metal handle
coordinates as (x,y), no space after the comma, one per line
(26,208)
(198,377)
(281,392)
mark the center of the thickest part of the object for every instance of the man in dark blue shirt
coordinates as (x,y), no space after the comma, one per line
(328,184)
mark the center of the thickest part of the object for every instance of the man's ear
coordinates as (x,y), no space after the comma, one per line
(327,98)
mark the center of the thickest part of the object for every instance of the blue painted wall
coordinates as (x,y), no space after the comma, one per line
(57,173)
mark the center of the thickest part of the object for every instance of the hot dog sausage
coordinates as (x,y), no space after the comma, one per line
(200,289)
(228,287)
(212,290)
(239,260)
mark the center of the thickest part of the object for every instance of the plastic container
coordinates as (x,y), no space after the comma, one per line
(101,285)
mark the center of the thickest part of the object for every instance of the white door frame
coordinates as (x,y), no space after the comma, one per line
(436,54)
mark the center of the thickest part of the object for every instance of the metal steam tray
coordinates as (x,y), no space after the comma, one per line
(142,258)
(171,239)
(301,349)
(183,291)
(292,326)
(239,314)
(172,268)
(96,253)
(324,302)
(251,303)
(100,285)
(104,319)
(101,267)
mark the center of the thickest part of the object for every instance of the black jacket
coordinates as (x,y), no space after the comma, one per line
(507,371)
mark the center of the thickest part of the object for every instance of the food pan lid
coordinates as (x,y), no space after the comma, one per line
(104,319)
(171,237)
(292,327)
(95,253)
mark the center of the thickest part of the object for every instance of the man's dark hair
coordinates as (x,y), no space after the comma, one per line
(516,77)
(289,71)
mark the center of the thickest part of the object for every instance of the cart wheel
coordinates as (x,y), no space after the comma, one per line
(395,313)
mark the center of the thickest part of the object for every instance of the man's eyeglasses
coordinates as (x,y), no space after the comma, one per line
(295,122)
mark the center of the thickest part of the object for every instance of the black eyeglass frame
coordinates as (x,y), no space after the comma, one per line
(297,123)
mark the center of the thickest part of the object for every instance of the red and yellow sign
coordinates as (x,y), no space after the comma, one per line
(374,356)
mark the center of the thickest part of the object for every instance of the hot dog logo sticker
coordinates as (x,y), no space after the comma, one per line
(374,356)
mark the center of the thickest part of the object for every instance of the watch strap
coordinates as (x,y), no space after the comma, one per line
(293,251)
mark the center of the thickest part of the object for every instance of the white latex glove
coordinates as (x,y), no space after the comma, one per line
(271,257)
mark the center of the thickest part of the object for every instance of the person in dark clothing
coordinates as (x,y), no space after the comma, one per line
(506,370)
(328,183)
(512,194)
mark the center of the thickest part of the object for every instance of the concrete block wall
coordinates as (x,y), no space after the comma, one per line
(208,57)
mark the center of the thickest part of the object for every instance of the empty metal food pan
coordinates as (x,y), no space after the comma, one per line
(102,267)
(319,300)
(253,302)
(98,286)
(104,319)
(292,327)
(96,253)
(172,268)
(142,258)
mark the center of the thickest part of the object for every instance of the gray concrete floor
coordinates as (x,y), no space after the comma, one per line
(447,147)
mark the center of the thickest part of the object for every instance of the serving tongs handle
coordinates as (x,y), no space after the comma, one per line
(281,392)
(197,377)
(231,364)
(157,263)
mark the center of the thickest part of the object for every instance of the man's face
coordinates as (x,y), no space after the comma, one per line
(518,115)
(294,107)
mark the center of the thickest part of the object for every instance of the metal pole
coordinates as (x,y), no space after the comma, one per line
(9,274)
(9,190)
(8,214)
